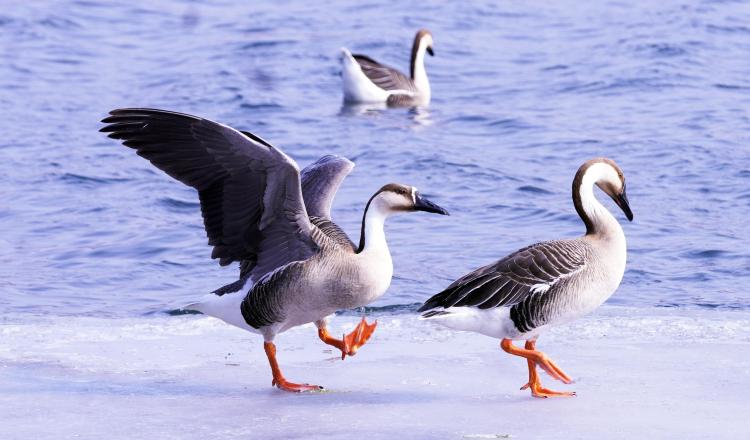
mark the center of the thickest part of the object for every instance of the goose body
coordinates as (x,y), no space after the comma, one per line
(365,80)
(304,291)
(296,265)
(545,284)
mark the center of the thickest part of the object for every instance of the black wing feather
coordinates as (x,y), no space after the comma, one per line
(243,212)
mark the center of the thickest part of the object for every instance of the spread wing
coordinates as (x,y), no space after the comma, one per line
(321,180)
(250,192)
(532,270)
(385,77)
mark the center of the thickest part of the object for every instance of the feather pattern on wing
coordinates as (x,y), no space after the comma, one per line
(250,192)
(335,233)
(321,181)
(531,271)
(385,77)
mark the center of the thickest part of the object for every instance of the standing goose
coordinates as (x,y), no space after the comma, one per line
(259,210)
(367,81)
(547,283)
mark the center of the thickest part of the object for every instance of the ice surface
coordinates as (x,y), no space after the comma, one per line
(638,373)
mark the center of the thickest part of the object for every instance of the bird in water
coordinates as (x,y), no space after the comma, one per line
(547,283)
(296,265)
(368,81)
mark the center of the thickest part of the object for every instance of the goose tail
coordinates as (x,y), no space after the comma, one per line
(347,56)
(226,307)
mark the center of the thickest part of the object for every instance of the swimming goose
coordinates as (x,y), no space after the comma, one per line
(547,283)
(367,81)
(297,266)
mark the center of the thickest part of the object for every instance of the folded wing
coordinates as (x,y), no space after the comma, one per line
(385,77)
(531,271)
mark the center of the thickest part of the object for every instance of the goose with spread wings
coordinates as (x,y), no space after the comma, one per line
(367,81)
(547,283)
(296,265)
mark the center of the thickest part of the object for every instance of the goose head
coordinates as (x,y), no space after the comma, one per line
(605,174)
(396,198)
(393,198)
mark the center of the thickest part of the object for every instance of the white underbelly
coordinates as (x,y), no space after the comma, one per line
(225,307)
(493,322)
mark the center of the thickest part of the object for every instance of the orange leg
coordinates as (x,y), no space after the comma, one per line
(537,390)
(278,378)
(330,340)
(349,344)
(533,358)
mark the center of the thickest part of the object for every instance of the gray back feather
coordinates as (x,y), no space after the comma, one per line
(334,233)
(385,77)
(531,271)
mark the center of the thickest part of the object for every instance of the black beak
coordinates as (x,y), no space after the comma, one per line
(422,204)
(430,51)
(622,202)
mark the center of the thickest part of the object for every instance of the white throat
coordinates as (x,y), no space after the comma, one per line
(374,228)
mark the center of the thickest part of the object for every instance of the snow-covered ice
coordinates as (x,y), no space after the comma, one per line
(658,373)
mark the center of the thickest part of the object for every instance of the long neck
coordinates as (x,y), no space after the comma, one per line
(418,72)
(372,236)
(598,219)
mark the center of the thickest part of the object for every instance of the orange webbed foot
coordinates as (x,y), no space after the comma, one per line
(537,390)
(358,337)
(536,358)
(291,387)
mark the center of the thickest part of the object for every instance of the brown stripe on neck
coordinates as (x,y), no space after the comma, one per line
(577,202)
(389,187)
(578,181)
(364,218)
(415,47)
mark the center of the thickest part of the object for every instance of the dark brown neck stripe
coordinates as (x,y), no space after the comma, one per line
(577,202)
(415,48)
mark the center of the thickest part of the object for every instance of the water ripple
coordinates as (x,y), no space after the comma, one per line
(523,93)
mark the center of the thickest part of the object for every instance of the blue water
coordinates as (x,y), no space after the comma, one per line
(523,93)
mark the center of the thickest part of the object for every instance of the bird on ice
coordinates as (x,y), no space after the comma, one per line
(547,283)
(296,265)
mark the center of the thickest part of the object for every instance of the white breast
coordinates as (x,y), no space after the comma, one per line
(377,272)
